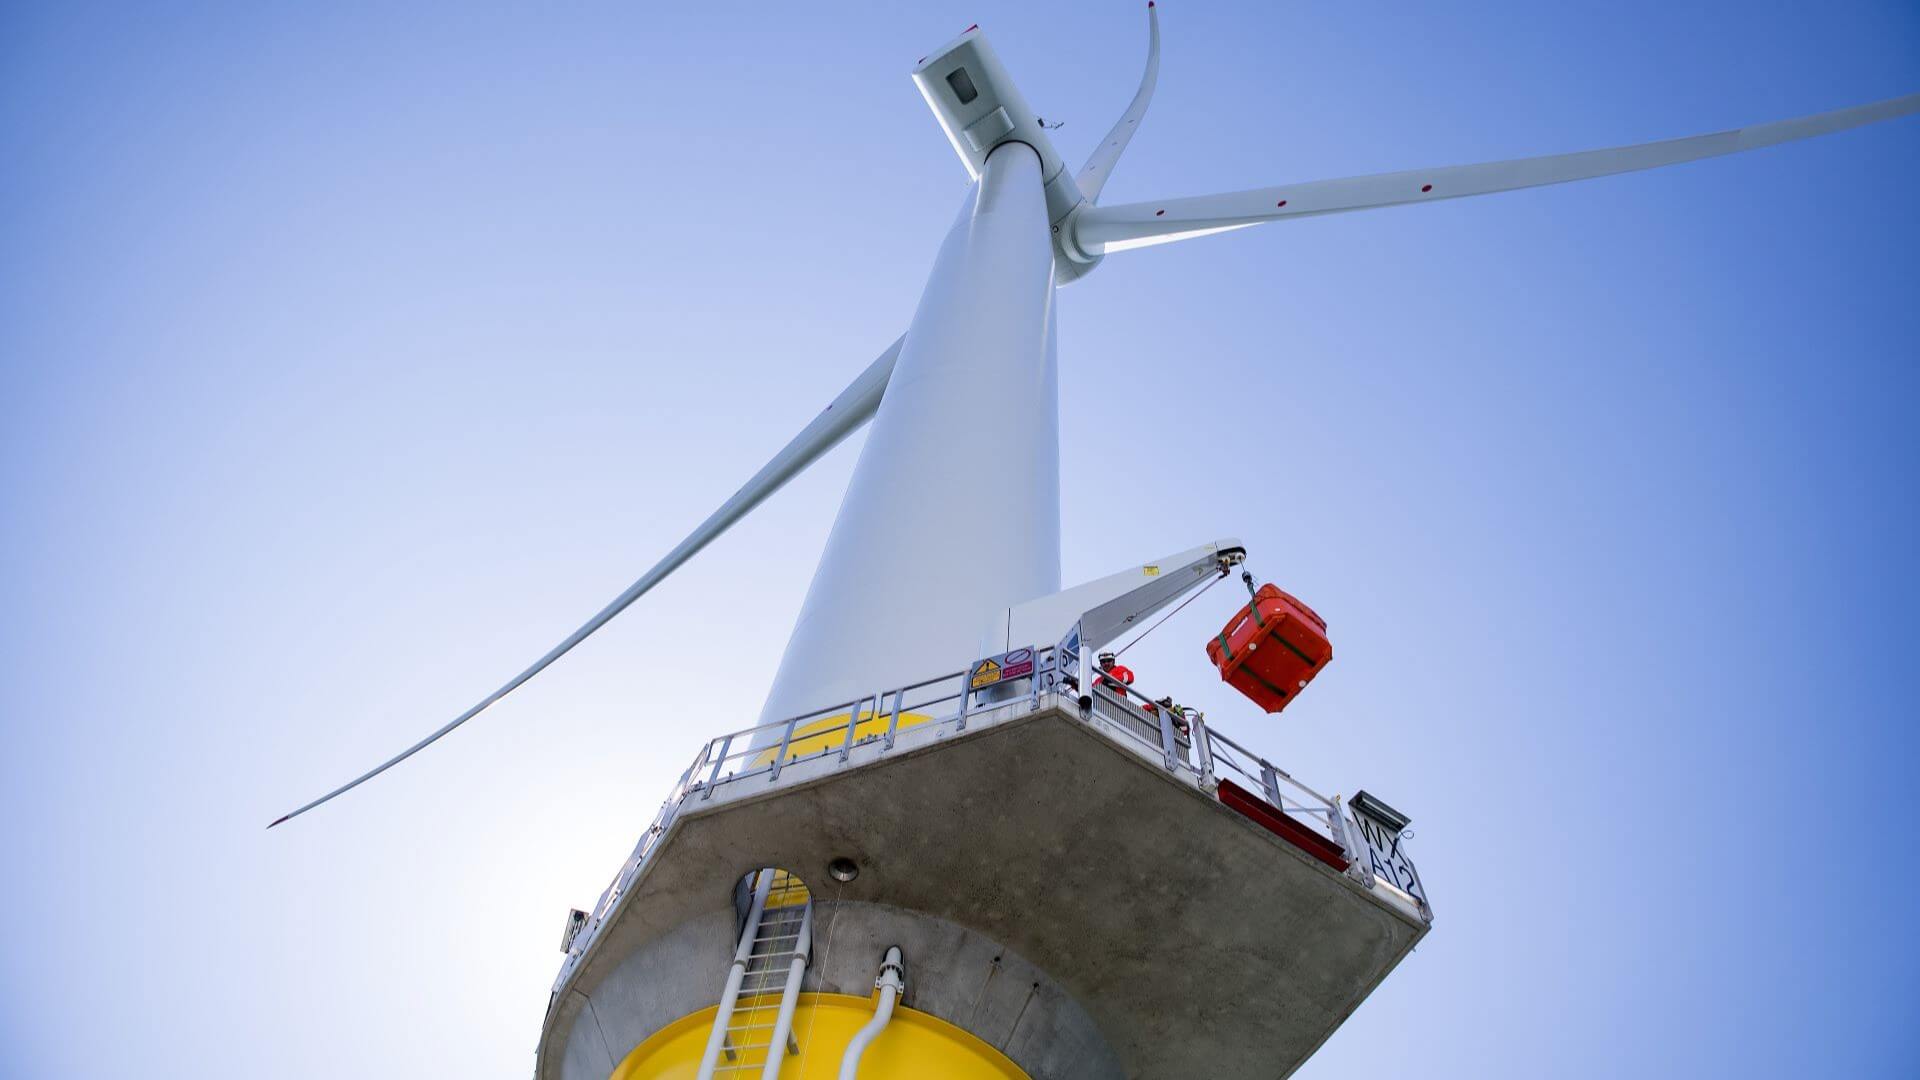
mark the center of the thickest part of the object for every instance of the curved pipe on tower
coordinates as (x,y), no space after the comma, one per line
(890,984)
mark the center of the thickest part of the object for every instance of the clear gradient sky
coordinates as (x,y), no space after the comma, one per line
(351,355)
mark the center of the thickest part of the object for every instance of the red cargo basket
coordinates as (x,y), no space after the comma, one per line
(1271,649)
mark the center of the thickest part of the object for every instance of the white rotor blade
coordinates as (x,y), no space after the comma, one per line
(1118,228)
(854,406)
(1093,175)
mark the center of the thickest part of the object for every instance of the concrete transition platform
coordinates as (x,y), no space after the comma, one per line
(1060,887)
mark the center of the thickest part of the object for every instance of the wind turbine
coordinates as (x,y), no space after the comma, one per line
(977,367)
(945,550)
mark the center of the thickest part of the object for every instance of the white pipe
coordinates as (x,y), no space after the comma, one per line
(789,997)
(890,985)
(731,995)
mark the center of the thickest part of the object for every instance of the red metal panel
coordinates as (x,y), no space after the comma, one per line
(1282,825)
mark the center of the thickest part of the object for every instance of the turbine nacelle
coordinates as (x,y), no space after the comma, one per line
(979,106)
(981,109)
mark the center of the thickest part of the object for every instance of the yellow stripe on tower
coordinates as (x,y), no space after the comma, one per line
(915,1045)
(830,732)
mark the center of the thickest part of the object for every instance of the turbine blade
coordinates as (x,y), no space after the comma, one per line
(853,407)
(1093,175)
(1119,228)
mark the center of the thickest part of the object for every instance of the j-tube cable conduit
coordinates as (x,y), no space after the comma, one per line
(731,995)
(890,985)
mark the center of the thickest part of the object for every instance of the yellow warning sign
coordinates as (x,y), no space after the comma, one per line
(1150,571)
(986,674)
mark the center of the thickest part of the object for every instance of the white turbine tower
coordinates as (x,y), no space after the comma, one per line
(946,549)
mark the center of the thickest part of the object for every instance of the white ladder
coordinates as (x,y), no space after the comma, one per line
(772,955)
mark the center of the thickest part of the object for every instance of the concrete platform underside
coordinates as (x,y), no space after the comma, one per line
(1058,894)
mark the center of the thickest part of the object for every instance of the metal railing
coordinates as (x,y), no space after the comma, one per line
(1177,738)
(1187,743)
(836,729)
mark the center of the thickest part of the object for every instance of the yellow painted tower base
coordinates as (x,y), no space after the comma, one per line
(914,1045)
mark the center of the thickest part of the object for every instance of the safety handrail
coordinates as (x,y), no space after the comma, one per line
(1199,752)
(1213,752)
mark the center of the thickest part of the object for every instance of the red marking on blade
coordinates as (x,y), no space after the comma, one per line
(922,60)
(1282,202)
(1426,187)
(971,29)
(280,819)
(1159,213)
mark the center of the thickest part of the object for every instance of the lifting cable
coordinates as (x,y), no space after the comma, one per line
(1222,576)
(820,980)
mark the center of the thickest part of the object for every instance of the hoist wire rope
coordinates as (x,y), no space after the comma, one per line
(1142,635)
(806,1044)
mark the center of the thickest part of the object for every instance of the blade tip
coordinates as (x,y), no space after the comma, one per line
(278,820)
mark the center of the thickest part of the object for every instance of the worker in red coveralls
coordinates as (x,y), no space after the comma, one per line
(1114,676)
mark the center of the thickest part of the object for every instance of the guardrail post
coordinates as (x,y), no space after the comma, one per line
(714,777)
(1270,783)
(1203,750)
(893,725)
(1083,683)
(966,696)
(786,740)
(1166,735)
(853,723)
(1356,859)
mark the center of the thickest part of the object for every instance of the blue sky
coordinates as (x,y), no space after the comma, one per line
(350,356)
